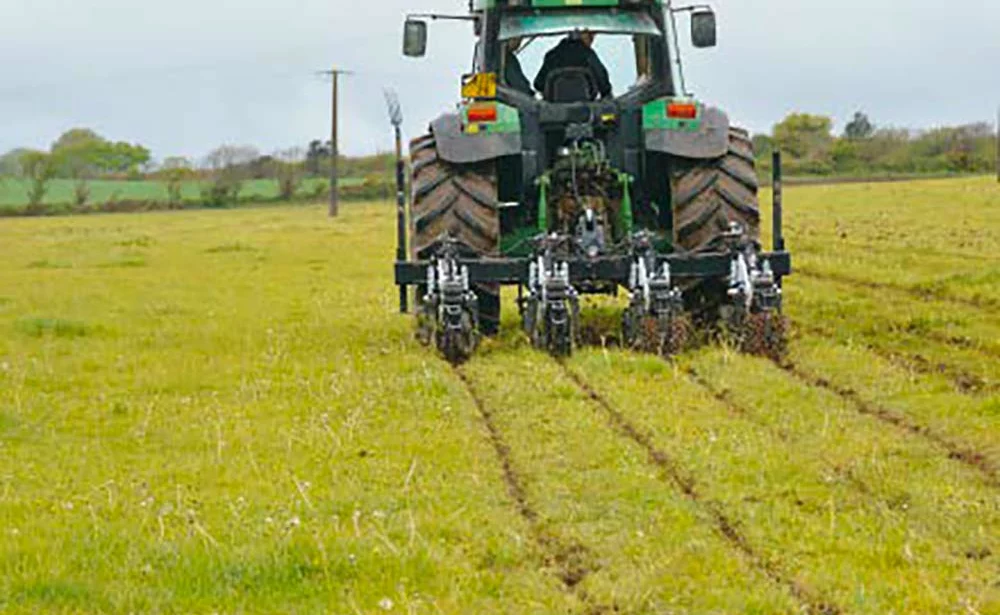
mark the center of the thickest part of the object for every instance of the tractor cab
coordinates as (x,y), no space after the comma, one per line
(577,165)
(564,111)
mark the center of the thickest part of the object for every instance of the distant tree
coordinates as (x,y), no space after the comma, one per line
(38,167)
(78,152)
(228,166)
(805,136)
(176,170)
(231,156)
(865,148)
(383,163)
(319,189)
(960,146)
(124,157)
(10,163)
(79,160)
(319,152)
(84,147)
(861,127)
(261,167)
(287,169)
(845,156)
(763,146)
(81,192)
(77,137)
(889,150)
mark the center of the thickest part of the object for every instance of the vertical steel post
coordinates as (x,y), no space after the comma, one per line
(396,117)
(777,215)
(401,217)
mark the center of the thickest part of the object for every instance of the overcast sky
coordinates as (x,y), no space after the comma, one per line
(186,75)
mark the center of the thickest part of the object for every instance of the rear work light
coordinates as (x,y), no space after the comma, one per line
(682,111)
(482,113)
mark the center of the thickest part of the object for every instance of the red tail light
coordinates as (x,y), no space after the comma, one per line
(682,111)
(482,113)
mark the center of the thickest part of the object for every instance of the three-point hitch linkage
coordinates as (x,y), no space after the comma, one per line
(658,318)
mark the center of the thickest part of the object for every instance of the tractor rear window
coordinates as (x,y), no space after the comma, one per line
(617,53)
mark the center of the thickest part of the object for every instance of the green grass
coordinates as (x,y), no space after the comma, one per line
(14,192)
(221,411)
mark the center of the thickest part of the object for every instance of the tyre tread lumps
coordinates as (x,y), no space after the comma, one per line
(711,194)
(452,199)
(459,200)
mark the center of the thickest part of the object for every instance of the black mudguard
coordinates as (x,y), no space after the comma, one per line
(457,147)
(711,140)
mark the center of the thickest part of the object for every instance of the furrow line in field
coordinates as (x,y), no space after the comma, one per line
(958,341)
(570,559)
(964,381)
(917,293)
(687,485)
(727,400)
(991,350)
(957,451)
(734,408)
(815,247)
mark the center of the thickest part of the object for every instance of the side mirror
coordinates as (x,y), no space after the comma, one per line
(415,38)
(703,31)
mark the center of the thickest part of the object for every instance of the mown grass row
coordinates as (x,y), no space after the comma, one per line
(220,411)
(648,547)
(238,424)
(820,489)
(936,240)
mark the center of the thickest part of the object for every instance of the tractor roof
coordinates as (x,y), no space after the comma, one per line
(480,5)
(550,23)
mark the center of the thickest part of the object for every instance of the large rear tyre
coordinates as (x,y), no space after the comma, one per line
(708,197)
(460,201)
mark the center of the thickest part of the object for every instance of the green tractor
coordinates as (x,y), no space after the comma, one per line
(570,190)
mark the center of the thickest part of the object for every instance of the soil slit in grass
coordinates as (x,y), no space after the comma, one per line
(722,396)
(920,330)
(571,559)
(961,452)
(914,291)
(725,398)
(725,526)
(964,381)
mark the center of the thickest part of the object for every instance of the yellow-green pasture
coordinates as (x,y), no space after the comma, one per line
(221,411)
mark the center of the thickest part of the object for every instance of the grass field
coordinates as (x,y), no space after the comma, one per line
(14,192)
(220,411)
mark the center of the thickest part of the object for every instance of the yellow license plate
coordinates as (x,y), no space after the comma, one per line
(479,85)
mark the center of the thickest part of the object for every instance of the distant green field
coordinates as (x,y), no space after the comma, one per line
(14,192)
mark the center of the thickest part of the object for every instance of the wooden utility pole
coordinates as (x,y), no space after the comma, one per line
(998,145)
(334,75)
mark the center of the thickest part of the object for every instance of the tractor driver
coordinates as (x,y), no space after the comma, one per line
(513,74)
(576,51)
